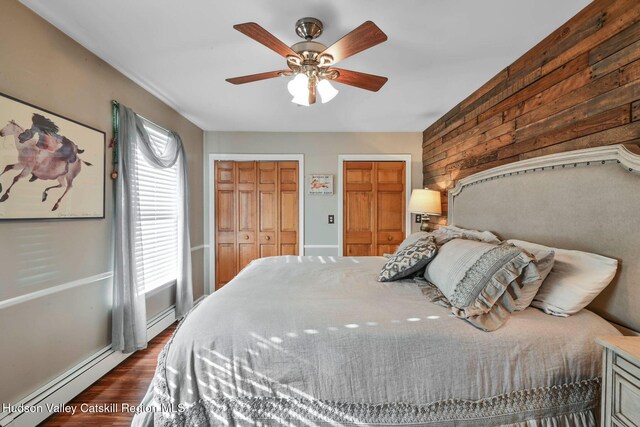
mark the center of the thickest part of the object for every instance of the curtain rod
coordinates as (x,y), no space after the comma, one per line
(116,105)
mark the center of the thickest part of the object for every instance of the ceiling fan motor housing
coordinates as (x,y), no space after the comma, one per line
(308,28)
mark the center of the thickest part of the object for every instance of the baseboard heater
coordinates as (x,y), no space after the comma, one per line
(68,385)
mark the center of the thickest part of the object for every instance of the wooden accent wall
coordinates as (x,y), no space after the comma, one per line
(578,88)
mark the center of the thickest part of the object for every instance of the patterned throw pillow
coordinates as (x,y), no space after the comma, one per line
(411,259)
(480,281)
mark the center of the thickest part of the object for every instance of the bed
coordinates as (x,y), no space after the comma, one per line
(312,341)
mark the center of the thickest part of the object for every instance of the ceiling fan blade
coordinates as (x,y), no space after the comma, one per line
(365,36)
(361,80)
(255,77)
(259,34)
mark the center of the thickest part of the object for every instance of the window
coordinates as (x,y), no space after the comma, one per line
(157,228)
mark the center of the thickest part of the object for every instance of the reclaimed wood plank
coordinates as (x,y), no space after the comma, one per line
(614,44)
(461,129)
(573,67)
(609,119)
(465,136)
(571,99)
(436,180)
(561,88)
(492,83)
(621,95)
(630,72)
(588,21)
(428,160)
(617,60)
(623,134)
(473,147)
(619,16)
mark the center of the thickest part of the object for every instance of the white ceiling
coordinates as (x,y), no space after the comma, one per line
(438,52)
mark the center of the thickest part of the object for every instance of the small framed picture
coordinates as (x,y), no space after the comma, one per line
(320,184)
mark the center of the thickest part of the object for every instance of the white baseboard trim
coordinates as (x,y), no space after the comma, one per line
(68,385)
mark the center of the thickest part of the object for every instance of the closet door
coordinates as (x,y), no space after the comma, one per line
(246,213)
(390,206)
(256,214)
(374,207)
(359,208)
(225,222)
(288,213)
(267,209)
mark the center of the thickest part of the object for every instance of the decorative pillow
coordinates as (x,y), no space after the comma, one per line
(412,238)
(545,258)
(481,281)
(575,280)
(482,236)
(413,258)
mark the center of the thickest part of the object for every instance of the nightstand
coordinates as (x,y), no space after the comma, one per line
(620,381)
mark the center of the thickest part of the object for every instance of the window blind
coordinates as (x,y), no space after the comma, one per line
(157,228)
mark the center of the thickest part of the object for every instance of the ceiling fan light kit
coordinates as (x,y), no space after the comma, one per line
(312,63)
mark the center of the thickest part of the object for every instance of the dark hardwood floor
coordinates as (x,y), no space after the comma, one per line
(126,383)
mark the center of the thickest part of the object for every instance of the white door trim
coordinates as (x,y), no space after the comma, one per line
(406,158)
(211,181)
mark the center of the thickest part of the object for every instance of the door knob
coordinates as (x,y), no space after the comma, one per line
(246,237)
(268,237)
(390,238)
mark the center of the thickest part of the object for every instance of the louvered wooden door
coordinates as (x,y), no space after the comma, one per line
(374,207)
(256,214)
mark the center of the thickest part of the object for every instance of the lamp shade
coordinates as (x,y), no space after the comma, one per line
(298,86)
(326,90)
(424,201)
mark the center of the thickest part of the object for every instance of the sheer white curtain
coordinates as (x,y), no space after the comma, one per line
(129,331)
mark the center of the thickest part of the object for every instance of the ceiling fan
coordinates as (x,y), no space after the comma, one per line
(312,63)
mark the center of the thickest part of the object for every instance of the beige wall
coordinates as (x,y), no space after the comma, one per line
(44,337)
(320,152)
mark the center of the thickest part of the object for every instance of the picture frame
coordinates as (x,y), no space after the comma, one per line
(51,167)
(320,184)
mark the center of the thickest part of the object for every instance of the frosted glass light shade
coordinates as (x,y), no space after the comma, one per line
(301,100)
(424,201)
(298,85)
(326,90)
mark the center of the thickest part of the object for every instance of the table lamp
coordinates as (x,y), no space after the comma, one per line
(425,202)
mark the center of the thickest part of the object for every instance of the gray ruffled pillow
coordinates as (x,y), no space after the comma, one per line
(411,259)
(480,281)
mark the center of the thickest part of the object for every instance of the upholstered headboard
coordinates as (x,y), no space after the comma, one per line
(587,200)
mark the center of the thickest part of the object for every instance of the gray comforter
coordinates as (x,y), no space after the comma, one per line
(318,340)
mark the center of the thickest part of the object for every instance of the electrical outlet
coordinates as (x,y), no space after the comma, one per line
(418,218)
(331,219)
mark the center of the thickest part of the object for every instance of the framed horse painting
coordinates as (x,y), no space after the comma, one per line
(51,167)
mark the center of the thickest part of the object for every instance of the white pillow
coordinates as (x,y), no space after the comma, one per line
(545,259)
(575,280)
(482,236)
